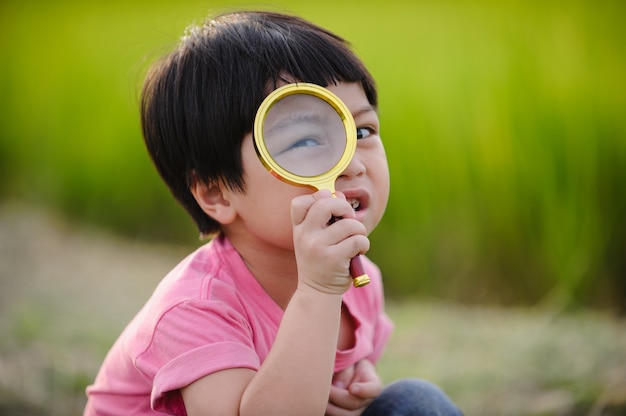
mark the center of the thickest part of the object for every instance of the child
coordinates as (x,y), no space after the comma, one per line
(262,319)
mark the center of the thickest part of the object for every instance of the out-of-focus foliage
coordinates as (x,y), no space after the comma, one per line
(503,122)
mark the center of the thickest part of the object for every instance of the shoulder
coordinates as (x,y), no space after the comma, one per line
(201,290)
(216,262)
(198,321)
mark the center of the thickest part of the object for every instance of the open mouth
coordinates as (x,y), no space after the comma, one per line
(355,203)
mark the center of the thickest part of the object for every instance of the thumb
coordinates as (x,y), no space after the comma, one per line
(301,205)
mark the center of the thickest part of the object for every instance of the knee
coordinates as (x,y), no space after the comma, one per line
(414,386)
(419,397)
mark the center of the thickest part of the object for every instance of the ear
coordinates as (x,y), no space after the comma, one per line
(214,201)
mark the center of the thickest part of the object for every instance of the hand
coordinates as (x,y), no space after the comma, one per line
(353,389)
(323,249)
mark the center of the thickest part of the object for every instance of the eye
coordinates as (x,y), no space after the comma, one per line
(363,132)
(306,142)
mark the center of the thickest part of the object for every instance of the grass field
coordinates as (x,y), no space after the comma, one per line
(503,123)
(505,131)
(67,292)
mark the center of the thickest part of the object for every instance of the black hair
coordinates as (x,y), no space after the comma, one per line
(200,100)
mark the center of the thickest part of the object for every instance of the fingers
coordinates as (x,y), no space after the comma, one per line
(345,403)
(355,387)
(312,213)
(323,248)
(365,390)
(301,207)
(366,383)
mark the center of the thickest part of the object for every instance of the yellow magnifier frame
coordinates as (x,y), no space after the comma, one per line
(324,180)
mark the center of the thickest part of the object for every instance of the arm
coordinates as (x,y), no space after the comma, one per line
(295,378)
(355,387)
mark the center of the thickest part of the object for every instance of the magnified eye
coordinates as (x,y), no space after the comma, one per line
(363,132)
(306,142)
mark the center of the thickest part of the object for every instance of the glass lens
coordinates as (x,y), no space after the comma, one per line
(304,134)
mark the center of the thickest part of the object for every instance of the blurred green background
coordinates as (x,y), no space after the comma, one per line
(504,124)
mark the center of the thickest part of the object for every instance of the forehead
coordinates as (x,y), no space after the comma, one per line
(351,93)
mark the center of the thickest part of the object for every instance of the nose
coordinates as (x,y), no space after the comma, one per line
(355,168)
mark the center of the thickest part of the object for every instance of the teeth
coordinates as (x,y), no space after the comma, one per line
(355,203)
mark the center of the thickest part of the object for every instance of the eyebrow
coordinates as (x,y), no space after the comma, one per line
(364,110)
(293,119)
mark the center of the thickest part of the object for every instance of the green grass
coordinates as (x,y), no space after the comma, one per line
(512,361)
(503,123)
(66,295)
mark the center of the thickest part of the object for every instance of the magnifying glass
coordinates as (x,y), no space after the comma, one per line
(305,135)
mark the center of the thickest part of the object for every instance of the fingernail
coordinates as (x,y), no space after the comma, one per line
(325,193)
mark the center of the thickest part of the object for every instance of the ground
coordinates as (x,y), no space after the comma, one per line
(66,291)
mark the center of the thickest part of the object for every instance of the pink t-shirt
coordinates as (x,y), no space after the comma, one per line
(211,314)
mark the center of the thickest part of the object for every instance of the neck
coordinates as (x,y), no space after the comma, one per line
(273,267)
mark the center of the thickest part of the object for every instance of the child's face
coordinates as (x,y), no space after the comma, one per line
(264,208)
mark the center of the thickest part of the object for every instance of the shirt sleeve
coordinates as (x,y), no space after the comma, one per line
(191,340)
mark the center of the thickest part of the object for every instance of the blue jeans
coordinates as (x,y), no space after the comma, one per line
(412,397)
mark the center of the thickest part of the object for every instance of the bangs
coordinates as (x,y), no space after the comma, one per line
(200,101)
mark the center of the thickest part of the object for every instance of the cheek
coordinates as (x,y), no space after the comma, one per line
(268,214)
(381,181)
(385,182)
(268,200)
(380,173)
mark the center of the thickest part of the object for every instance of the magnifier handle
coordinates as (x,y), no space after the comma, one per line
(357,271)
(359,277)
